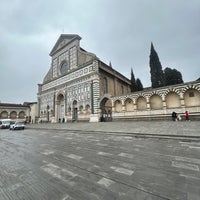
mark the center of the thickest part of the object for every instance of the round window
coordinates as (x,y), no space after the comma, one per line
(64,68)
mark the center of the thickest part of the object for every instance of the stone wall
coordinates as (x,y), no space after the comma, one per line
(158,103)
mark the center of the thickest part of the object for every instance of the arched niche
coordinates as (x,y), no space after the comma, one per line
(141,103)
(156,102)
(172,100)
(192,97)
(129,105)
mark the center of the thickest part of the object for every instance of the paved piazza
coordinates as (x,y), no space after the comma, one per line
(41,164)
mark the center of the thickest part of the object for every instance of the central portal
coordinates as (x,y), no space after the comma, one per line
(60,108)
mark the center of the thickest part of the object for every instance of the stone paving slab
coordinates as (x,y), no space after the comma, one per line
(168,128)
(44,164)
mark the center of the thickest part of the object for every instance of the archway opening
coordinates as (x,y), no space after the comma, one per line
(21,115)
(60,108)
(106,110)
(13,115)
(4,115)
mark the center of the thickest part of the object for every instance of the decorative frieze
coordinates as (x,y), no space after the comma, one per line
(69,77)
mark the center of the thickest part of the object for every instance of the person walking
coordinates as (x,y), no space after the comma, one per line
(174,116)
(186,115)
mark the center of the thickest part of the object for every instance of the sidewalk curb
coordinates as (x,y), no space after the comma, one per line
(118,133)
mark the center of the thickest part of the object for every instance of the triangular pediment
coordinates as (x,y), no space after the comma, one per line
(63,40)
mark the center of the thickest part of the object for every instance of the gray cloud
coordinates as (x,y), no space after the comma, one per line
(116,31)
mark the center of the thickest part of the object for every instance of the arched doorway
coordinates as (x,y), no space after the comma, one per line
(60,107)
(106,109)
(75,112)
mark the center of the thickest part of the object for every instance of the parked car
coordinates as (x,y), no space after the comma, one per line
(17,125)
(5,123)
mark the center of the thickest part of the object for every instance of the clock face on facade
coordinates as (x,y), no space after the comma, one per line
(64,68)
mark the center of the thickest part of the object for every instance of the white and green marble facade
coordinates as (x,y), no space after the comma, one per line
(73,90)
(68,95)
(158,103)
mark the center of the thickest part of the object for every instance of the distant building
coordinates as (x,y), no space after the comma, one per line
(27,111)
(33,112)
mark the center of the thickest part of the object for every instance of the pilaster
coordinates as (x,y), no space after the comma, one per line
(95,95)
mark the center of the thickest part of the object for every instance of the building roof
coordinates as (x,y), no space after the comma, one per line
(63,40)
(13,105)
(112,71)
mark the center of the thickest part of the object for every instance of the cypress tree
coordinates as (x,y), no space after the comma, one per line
(133,83)
(157,76)
(139,84)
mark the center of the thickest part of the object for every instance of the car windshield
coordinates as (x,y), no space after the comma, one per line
(6,122)
(20,123)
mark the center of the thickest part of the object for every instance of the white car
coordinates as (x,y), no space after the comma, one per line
(17,126)
(5,123)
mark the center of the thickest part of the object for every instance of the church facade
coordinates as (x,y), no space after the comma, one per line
(80,87)
(78,84)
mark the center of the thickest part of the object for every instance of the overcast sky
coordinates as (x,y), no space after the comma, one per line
(115,30)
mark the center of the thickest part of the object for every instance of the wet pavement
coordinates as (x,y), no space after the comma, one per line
(90,161)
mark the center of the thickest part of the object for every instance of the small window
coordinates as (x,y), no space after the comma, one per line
(122,89)
(105,86)
(191,94)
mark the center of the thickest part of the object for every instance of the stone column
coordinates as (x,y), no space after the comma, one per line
(113,107)
(182,100)
(66,105)
(134,105)
(39,109)
(123,106)
(54,104)
(164,102)
(95,95)
(148,103)
(56,111)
